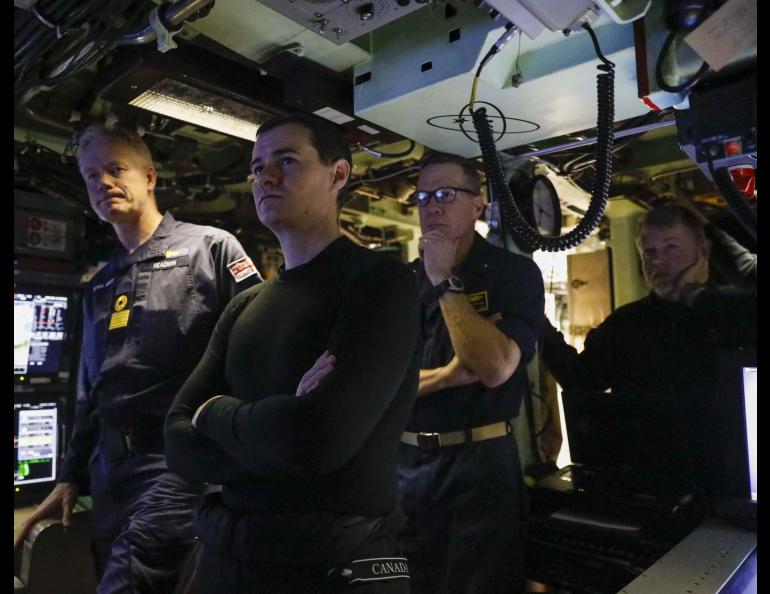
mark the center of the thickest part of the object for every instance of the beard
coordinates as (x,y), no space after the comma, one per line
(662,286)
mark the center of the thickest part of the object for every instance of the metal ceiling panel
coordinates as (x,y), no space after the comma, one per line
(254,30)
(339,21)
(413,78)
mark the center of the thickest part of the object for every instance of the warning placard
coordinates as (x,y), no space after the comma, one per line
(46,234)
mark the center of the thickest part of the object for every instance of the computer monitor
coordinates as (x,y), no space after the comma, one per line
(738,411)
(36,447)
(750,417)
(43,325)
(646,433)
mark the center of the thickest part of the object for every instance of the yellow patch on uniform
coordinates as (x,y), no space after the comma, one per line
(121,302)
(177,253)
(119,319)
(479,301)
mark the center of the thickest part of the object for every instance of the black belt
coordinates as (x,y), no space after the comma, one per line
(124,442)
(432,441)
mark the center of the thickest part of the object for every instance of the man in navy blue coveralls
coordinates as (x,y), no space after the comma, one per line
(460,480)
(148,315)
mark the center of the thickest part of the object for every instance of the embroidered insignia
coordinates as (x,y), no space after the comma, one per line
(119,319)
(102,285)
(479,301)
(177,253)
(120,302)
(242,268)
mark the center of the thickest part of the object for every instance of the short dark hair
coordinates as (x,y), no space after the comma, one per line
(126,136)
(325,137)
(467,165)
(668,215)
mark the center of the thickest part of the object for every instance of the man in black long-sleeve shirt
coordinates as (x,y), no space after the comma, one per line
(667,343)
(298,404)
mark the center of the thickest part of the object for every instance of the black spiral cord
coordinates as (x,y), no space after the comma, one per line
(525,236)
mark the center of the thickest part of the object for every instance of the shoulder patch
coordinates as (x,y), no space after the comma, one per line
(242,268)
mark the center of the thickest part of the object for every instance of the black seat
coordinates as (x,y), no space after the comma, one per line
(58,561)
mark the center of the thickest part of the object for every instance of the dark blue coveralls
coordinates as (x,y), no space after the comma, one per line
(466,504)
(147,319)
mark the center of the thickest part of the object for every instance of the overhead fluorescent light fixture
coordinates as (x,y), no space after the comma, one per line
(202,108)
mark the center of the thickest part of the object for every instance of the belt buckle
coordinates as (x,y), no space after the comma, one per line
(428,441)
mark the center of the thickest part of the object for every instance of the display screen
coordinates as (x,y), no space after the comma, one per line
(38,333)
(35,442)
(750,413)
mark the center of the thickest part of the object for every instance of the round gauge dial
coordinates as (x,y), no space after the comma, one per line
(546,208)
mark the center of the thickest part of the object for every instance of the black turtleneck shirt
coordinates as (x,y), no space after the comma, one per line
(333,449)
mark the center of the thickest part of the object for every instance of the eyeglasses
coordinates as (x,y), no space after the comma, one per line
(441,195)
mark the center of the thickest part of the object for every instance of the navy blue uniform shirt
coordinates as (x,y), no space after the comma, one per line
(147,320)
(500,285)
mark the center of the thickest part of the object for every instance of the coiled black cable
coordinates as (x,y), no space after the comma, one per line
(524,235)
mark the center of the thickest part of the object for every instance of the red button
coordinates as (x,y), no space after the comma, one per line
(733,147)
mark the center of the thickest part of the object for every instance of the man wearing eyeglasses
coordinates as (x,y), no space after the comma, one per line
(460,479)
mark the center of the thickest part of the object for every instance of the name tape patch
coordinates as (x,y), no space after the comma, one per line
(163,264)
(242,268)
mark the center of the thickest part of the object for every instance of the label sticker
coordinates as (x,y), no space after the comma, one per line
(727,33)
(479,301)
(368,129)
(242,268)
(333,115)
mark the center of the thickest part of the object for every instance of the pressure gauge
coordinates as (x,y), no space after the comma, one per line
(546,209)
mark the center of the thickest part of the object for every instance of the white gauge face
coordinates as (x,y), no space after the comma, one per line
(545,209)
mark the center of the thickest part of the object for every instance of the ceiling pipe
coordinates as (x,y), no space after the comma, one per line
(589,141)
(170,17)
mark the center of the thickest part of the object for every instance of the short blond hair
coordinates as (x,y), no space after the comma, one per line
(125,136)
